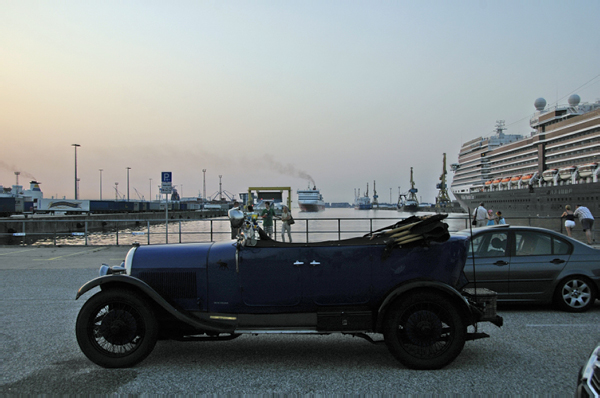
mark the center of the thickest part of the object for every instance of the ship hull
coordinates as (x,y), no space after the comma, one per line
(545,201)
(311,207)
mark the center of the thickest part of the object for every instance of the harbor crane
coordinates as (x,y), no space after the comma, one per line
(442,200)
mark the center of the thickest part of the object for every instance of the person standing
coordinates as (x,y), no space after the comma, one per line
(499,218)
(286,227)
(586,219)
(570,219)
(267,215)
(491,220)
(480,216)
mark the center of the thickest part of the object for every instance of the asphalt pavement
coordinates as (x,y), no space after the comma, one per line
(539,350)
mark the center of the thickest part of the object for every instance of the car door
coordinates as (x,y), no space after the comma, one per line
(491,255)
(339,275)
(539,258)
(271,276)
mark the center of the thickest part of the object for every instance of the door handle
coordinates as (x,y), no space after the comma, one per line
(557,261)
(315,263)
(500,263)
(298,263)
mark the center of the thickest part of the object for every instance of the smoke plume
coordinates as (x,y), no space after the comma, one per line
(13,169)
(287,169)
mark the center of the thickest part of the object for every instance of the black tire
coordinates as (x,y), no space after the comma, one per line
(575,294)
(425,330)
(116,329)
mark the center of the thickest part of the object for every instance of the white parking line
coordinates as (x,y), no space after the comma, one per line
(18,251)
(66,255)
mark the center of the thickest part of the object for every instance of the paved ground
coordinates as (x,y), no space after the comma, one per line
(538,351)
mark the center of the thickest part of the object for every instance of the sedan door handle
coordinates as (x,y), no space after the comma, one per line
(315,263)
(500,262)
(298,263)
(557,261)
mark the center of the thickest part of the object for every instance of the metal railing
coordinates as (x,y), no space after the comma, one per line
(127,232)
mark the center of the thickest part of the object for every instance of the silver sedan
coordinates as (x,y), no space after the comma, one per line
(527,264)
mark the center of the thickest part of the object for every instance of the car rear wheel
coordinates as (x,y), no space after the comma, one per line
(575,294)
(116,329)
(425,331)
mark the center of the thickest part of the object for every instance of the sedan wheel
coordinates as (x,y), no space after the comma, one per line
(575,294)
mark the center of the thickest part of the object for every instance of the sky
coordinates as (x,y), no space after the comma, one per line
(276,93)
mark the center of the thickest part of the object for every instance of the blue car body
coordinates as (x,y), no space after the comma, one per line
(355,286)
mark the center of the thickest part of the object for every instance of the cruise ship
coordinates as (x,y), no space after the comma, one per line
(310,200)
(535,175)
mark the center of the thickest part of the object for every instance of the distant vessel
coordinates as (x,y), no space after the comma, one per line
(363,202)
(535,175)
(409,202)
(310,200)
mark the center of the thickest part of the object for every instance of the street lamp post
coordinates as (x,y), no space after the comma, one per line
(129,168)
(75,145)
(100,184)
(204,185)
(150,190)
(116,191)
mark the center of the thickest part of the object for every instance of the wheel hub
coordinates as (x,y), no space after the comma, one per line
(118,327)
(423,328)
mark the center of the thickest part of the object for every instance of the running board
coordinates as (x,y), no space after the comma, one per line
(476,336)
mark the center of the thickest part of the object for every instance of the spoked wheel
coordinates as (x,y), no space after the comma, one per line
(575,294)
(116,329)
(425,331)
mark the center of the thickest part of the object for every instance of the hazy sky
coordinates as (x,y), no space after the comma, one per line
(266,93)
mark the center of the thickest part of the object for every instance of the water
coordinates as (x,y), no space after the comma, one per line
(331,224)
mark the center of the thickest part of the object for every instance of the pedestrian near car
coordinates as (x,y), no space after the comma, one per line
(587,221)
(491,220)
(569,220)
(286,216)
(499,218)
(267,216)
(480,216)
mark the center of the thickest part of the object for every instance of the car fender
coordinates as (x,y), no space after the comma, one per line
(116,281)
(465,307)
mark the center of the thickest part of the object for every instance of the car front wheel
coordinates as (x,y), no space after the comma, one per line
(425,331)
(116,329)
(575,294)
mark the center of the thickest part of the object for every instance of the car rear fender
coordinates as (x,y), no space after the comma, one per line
(121,281)
(452,293)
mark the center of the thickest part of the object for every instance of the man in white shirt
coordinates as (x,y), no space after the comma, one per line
(587,221)
(480,215)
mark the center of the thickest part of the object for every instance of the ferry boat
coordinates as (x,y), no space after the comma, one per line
(310,200)
(362,202)
(535,175)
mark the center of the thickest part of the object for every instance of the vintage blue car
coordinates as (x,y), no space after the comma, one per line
(403,281)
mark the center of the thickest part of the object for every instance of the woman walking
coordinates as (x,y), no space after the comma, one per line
(286,216)
(570,219)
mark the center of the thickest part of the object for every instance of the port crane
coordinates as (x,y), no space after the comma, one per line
(442,200)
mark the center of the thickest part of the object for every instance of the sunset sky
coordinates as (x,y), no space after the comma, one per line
(273,93)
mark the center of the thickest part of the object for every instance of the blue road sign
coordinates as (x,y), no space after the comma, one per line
(166,176)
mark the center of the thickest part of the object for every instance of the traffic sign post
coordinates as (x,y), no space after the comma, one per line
(166,187)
